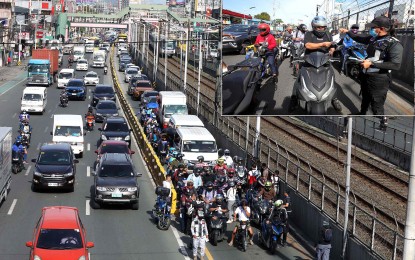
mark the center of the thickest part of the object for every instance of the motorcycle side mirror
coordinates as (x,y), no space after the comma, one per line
(34,160)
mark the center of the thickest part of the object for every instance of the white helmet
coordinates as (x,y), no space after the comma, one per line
(278,203)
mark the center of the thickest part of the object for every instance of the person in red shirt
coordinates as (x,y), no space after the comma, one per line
(265,36)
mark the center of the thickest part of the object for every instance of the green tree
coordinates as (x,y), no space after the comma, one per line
(277,21)
(263,16)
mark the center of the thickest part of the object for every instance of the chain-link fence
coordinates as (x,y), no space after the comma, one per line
(361,12)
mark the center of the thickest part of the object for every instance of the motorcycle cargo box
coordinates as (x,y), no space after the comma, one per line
(162,191)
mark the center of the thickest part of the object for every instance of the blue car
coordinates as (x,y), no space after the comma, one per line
(75,89)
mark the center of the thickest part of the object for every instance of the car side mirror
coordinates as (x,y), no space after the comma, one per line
(90,244)
(75,161)
(34,160)
(100,129)
(29,244)
(138,174)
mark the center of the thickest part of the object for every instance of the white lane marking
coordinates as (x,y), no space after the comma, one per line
(14,115)
(46,129)
(89,255)
(87,209)
(38,146)
(89,97)
(28,170)
(88,171)
(12,207)
(88,146)
(51,116)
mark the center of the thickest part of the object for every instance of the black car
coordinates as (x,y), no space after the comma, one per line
(115,128)
(102,92)
(115,181)
(244,35)
(75,89)
(55,167)
(104,109)
(145,97)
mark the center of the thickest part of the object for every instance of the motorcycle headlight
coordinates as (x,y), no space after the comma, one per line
(329,91)
(132,189)
(99,188)
(127,138)
(307,91)
(103,137)
(37,173)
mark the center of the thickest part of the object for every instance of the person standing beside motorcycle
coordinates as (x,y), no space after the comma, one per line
(243,212)
(317,40)
(167,183)
(265,36)
(199,233)
(384,53)
(347,41)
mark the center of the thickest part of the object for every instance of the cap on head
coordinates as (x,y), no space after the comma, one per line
(380,21)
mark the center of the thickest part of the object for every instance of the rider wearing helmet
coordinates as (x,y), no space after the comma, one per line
(228,158)
(298,40)
(219,205)
(24,116)
(209,193)
(244,213)
(266,36)
(279,213)
(231,175)
(267,191)
(220,167)
(179,174)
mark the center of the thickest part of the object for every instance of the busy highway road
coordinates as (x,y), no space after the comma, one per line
(117,231)
(278,101)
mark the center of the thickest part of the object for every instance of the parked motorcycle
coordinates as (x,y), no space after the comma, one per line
(270,234)
(161,211)
(241,237)
(17,162)
(315,84)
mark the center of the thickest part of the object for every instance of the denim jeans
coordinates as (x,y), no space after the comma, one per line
(271,62)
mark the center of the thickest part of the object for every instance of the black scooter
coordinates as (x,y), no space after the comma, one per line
(315,86)
(64,101)
(17,162)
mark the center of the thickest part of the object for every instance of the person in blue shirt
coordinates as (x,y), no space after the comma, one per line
(19,148)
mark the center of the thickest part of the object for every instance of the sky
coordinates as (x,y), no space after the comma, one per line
(290,11)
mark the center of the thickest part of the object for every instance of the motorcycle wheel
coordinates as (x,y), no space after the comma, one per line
(244,243)
(15,168)
(215,237)
(163,223)
(274,246)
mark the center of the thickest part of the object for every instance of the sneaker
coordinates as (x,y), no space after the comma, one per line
(230,243)
(251,242)
(337,105)
(24,162)
(229,221)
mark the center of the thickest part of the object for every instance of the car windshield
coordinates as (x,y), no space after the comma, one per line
(131,72)
(75,83)
(54,157)
(78,52)
(32,97)
(175,109)
(104,90)
(38,68)
(106,105)
(151,99)
(82,62)
(116,127)
(116,171)
(65,75)
(114,149)
(144,84)
(236,28)
(68,131)
(199,146)
(59,239)
(91,75)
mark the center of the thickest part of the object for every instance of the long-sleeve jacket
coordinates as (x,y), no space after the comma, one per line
(199,228)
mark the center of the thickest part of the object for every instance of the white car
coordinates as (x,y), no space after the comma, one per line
(130,73)
(82,64)
(131,65)
(91,78)
(120,49)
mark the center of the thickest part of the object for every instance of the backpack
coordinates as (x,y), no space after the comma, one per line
(327,235)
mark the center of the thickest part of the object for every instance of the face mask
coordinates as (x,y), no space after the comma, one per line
(373,32)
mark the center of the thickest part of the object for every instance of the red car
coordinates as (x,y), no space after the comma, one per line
(113,146)
(59,234)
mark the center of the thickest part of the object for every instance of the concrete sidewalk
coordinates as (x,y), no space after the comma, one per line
(8,73)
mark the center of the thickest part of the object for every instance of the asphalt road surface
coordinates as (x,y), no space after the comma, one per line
(277,101)
(118,232)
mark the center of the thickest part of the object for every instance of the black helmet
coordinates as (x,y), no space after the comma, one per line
(219,198)
(222,179)
(354,26)
(200,158)
(209,184)
(319,21)
(302,27)
(18,142)
(90,109)
(220,152)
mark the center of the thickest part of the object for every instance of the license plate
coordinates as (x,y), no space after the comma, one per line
(37,80)
(73,94)
(116,195)
(243,226)
(52,184)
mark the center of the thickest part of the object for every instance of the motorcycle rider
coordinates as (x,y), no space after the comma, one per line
(221,184)
(267,192)
(288,34)
(243,212)
(196,178)
(298,40)
(228,158)
(24,116)
(18,149)
(208,175)
(209,193)
(317,40)
(188,196)
(21,149)
(200,233)
(231,175)
(384,54)
(105,69)
(63,96)
(25,127)
(280,213)
(265,36)
(89,117)
(219,207)
(179,174)
(220,167)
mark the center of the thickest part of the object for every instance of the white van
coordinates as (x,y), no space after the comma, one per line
(34,99)
(196,141)
(69,129)
(64,76)
(177,121)
(78,52)
(171,103)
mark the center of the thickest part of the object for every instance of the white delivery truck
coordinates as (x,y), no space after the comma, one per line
(171,103)
(69,129)
(5,161)
(177,121)
(98,59)
(195,141)
(78,52)
(64,76)
(34,99)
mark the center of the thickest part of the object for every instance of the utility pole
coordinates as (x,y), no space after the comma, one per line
(348,166)
(185,55)
(198,77)
(409,238)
